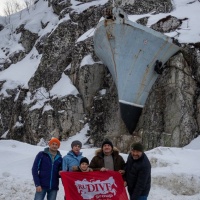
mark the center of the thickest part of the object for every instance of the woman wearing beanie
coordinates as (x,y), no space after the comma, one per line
(138,173)
(73,157)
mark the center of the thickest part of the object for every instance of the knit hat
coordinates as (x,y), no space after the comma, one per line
(137,146)
(54,140)
(76,142)
(107,142)
(84,160)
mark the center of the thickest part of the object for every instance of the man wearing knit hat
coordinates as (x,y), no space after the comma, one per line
(138,173)
(73,157)
(107,158)
(45,171)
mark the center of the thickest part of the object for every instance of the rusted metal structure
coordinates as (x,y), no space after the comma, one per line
(134,55)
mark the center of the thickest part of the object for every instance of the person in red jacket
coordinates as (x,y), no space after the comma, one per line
(45,171)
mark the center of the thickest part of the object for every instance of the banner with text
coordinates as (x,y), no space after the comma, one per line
(94,185)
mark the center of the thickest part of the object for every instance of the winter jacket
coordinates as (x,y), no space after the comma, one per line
(97,161)
(45,171)
(138,176)
(71,160)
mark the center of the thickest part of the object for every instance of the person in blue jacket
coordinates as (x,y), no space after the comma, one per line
(45,171)
(73,157)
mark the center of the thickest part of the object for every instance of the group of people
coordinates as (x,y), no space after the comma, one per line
(136,171)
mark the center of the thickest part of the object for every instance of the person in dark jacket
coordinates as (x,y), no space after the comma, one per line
(138,173)
(45,171)
(107,158)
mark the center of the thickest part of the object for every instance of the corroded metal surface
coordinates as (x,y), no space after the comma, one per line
(130,51)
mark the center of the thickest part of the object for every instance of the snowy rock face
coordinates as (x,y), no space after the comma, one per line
(138,7)
(70,87)
(56,56)
(167,25)
(27,38)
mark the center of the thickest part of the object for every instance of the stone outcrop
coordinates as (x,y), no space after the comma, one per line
(172,115)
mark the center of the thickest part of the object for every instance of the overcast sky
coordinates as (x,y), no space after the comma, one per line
(2,5)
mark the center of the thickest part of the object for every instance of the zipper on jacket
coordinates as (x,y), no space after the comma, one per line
(51,174)
(56,157)
(51,170)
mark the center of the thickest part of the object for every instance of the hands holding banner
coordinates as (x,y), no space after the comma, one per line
(96,185)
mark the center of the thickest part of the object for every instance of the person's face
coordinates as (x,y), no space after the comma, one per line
(53,146)
(84,166)
(76,149)
(107,149)
(136,154)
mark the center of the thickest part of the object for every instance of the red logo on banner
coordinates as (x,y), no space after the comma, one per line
(93,185)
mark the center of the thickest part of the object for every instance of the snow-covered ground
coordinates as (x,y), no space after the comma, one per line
(175,171)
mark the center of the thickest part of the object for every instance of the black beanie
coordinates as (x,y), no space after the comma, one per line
(107,142)
(137,146)
(84,160)
(76,142)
